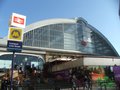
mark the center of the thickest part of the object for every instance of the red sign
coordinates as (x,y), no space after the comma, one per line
(18,20)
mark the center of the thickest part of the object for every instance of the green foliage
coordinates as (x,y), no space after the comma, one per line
(106,81)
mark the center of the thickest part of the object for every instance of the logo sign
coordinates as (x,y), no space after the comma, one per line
(18,20)
(15,34)
(84,43)
(15,46)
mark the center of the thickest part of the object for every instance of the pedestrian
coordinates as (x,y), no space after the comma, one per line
(74,85)
(5,83)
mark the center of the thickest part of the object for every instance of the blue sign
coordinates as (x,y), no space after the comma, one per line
(14,46)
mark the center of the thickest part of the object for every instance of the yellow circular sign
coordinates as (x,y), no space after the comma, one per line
(15,34)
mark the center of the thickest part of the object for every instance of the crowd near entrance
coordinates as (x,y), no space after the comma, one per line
(32,73)
(85,77)
(27,69)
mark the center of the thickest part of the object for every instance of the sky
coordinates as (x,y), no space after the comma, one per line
(101,14)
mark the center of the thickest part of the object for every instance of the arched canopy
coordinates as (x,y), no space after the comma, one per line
(68,34)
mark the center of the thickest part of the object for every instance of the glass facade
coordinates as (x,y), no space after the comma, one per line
(21,61)
(58,36)
(69,36)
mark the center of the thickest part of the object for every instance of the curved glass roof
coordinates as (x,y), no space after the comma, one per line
(68,34)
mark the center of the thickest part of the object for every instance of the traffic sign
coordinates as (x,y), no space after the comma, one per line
(15,34)
(18,20)
(15,38)
(14,46)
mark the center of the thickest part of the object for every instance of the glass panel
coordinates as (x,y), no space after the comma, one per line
(69,36)
(56,36)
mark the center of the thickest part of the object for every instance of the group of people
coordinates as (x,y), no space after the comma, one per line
(5,82)
(21,77)
(80,77)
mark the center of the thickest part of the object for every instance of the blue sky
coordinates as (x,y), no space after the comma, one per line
(102,14)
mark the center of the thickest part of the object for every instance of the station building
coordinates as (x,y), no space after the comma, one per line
(63,40)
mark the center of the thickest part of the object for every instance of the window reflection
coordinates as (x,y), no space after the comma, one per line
(69,36)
